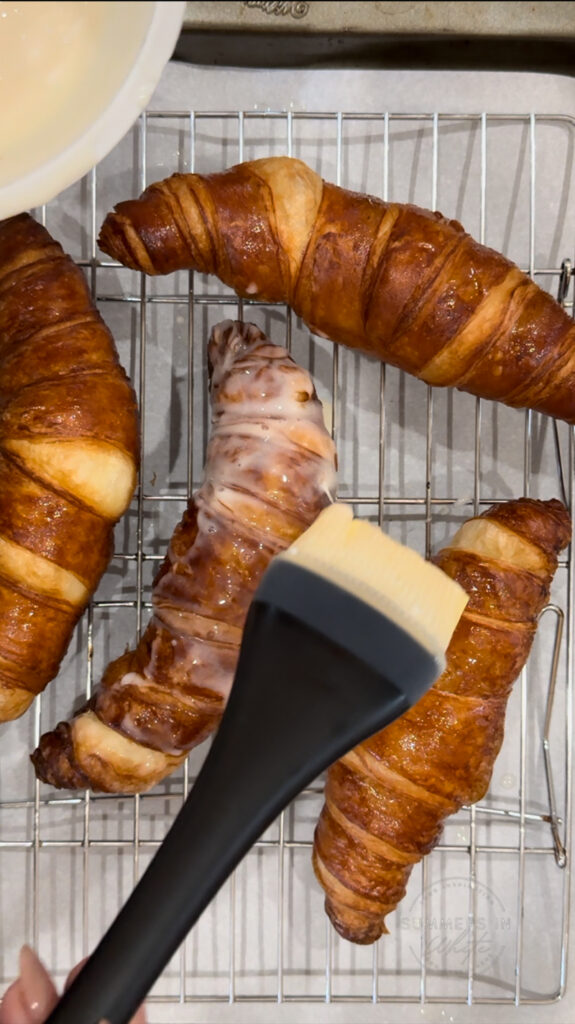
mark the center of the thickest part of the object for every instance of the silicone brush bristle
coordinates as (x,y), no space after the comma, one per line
(357,556)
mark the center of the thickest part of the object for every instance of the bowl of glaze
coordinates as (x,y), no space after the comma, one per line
(73,79)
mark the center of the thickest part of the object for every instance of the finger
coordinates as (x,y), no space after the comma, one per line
(73,974)
(32,996)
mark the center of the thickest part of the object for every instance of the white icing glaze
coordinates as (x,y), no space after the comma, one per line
(44,51)
(182,622)
(270,466)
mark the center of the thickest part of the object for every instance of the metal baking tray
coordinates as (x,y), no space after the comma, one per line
(509,36)
(484,927)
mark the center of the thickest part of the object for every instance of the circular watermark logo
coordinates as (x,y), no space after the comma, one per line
(447,926)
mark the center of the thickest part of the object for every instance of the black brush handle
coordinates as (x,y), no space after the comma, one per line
(298,703)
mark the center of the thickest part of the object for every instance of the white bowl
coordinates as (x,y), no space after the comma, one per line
(73,79)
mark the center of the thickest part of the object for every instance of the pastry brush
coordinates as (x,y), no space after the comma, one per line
(346,631)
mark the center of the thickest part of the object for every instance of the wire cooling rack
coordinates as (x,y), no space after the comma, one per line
(416,460)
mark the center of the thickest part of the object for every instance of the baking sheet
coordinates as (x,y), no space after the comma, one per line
(66,865)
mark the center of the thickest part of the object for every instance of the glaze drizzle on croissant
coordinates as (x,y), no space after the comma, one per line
(386,801)
(404,284)
(68,455)
(270,469)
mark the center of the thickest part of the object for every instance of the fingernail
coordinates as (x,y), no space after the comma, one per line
(37,990)
(74,974)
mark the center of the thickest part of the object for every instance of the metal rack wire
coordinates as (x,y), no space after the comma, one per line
(416,460)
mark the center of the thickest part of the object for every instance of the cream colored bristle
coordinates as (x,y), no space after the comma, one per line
(357,556)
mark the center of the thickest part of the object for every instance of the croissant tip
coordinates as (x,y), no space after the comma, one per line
(354,926)
(53,760)
(111,241)
(14,701)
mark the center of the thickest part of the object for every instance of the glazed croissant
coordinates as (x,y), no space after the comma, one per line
(385,801)
(68,453)
(270,469)
(399,282)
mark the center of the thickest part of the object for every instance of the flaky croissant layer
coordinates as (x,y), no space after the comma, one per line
(68,455)
(404,284)
(270,469)
(386,801)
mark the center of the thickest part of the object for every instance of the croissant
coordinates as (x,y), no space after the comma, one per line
(68,454)
(399,282)
(270,469)
(385,801)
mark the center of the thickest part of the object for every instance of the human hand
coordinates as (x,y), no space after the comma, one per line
(33,995)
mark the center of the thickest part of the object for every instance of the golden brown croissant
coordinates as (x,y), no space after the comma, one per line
(68,453)
(385,801)
(270,469)
(399,282)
